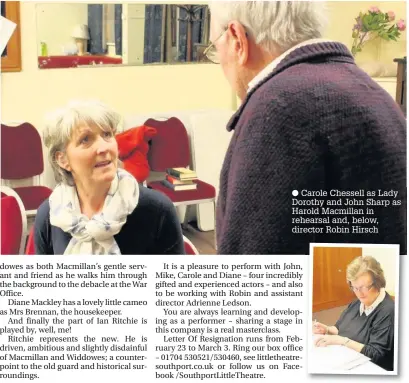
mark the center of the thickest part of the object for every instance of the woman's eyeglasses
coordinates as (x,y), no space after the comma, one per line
(211,52)
(362,289)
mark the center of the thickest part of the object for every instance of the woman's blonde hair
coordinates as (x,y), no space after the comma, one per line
(367,264)
(61,123)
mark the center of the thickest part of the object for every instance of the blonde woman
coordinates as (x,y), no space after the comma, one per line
(97,208)
(367,324)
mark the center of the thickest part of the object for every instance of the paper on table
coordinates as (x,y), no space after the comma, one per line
(355,363)
(7,28)
(334,358)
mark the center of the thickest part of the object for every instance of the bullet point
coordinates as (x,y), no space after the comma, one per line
(295,193)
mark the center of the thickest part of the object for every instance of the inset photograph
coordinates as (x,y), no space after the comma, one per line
(353,309)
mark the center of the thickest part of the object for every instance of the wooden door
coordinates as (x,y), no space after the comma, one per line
(330,288)
(11,56)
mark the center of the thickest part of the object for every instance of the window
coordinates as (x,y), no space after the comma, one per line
(175,33)
(109,23)
(11,57)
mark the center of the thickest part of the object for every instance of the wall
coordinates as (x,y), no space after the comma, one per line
(387,258)
(29,94)
(55,22)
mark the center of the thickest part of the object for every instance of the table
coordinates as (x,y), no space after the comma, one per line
(368,368)
(48,62)
(340,360)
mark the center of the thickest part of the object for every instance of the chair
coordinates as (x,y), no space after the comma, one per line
(190,248)
(30,247)
(170,149)
(13,222)
(22,158)
(133,149)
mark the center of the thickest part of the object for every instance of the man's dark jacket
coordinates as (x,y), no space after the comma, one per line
(317,122)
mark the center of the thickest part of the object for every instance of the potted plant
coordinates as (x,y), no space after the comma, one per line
(375,24)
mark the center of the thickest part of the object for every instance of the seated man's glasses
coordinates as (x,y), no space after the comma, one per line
(363,289)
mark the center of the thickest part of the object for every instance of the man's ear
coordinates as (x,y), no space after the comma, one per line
(241,41)
(62,161)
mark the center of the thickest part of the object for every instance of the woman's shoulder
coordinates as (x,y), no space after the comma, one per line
(354,305)
(388,304)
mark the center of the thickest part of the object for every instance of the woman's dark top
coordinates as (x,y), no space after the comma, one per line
(375,331)
(152,228)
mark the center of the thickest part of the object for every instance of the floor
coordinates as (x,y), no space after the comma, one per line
(203,240)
